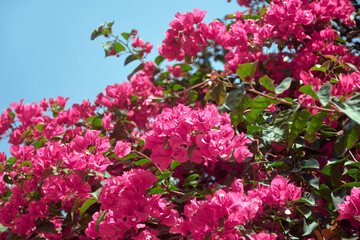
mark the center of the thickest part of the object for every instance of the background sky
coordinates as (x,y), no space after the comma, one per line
(46,49)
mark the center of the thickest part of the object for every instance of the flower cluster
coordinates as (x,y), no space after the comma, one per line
(203,135)
(128,207)
(136,97)
(219,215)
(183,38)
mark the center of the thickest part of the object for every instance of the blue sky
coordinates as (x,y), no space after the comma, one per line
(46,49)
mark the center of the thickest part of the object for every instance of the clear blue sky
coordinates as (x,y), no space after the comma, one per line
(46,49)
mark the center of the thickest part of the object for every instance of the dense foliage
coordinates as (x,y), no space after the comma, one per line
(249,131)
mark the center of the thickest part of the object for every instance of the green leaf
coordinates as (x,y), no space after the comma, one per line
(351,184)
(97,122)
(110,24)
(246,70)
(184,67)
(309,163)
(130,156)
(156,190)
(142,162)
(308,89)
(248,16)
(141,142)
(298,125)
(47,227)
(11,161)
(218,94)
(165,175)
(283,86)
(350,107)
(99,220)
(251,129)
(177,87)
(191,178)
(318,67)
(11,114)
(324,94)
(258,106)
(39,127)
(349,65)
(315,124)
(108,46)
(85,206)
(159,59)
(309,226)
(234,97)
(131,58)
(119,47)
(174,164)
(126,35)
(312,180)
(267,83)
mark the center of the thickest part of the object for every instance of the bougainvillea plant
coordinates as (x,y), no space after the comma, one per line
(242,128)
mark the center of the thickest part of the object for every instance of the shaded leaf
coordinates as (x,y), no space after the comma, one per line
(309,226)
(350,107)
(218,94)
(234,97)
(257,107)
(315,124)
(312,180)
(236,115)
(304,210)
(138,68)
(309,163)
(324,94)
(130,58)
(338,196)
(47,227)
(75,207)
(307,197)
(97,32)
(298,125)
